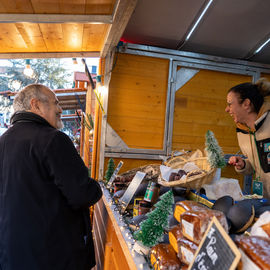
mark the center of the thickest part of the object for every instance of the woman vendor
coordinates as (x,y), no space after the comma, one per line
(249,106)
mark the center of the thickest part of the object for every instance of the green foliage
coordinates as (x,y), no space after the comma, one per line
(49,72)
(152,229)
(214,151)
(110,169)
(88,121)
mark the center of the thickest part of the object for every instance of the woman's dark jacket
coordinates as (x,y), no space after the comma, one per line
(45,193)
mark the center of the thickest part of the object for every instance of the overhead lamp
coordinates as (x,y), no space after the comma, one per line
(262,45)
(74,61)
(194,26)
(28,71)
(198,20)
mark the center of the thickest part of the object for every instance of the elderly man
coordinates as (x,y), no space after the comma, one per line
(45,191)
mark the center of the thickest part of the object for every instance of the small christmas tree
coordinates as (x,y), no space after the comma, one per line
(152,229)
(214,151)
(110,169)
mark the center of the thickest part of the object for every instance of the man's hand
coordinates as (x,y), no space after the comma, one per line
(238,162)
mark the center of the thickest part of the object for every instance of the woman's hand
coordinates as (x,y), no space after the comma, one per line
(238,162)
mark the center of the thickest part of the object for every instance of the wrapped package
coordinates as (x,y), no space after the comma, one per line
(163,256)
(175,234)
(194,223)
(223,187)
(254,251)
(184,248)
(183,206)
(262,226)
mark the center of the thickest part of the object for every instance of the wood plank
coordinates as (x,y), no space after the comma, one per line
(99,6)
(73,36)
(123,12)
(53,36)
(200,106)
(137,100)
(130,163)
(12,38)
(22,6)
(93,36)
(46,6)
(32,36)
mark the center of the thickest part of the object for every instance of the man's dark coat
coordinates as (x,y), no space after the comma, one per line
(45,193)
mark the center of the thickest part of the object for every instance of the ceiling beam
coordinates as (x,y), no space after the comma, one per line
(121,16)
(37,55)
(55,18)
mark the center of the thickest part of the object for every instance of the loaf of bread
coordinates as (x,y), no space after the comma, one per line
(163,256)
(175,234)
(186,250)
(266,228)
(255,251)
(183,206)
(194,223)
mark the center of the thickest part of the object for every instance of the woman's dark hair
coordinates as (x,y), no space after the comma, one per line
(255,92)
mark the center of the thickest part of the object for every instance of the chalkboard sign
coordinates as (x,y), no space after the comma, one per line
(109,184)
(216,250)
(125,199)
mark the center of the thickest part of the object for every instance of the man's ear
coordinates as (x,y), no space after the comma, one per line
(34,105)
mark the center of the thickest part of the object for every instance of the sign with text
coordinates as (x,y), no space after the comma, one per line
(109,184)
(125,199)
(216,250)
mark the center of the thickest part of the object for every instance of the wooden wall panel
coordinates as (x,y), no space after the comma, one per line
(265,75)
(137,100)
(200,106)
(130,163)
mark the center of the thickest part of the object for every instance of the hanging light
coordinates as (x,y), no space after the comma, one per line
(74,61)
(28,71)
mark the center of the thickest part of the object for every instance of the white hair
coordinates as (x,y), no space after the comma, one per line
(23,98)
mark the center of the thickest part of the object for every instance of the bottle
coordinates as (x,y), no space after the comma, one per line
(144,207)
(152,192)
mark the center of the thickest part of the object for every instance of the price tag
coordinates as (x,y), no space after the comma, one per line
(257,187)
(125,199)
(109,184)
(216,250)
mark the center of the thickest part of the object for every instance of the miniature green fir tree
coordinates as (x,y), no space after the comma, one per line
(214,151)
(152,229)
(110,169)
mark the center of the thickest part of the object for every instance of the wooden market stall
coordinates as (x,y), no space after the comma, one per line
(159,90)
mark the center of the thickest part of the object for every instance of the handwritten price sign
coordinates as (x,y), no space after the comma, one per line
(216,250)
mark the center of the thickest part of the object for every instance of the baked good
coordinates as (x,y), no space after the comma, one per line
(195,222)
(186,250)
(174,236)
(255,252)
(163,256)
(183,206)
(266,228)
(182,246)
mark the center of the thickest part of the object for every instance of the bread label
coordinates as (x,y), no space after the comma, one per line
(179,210)
(173,242)
(188,228)
(248,264)
(187,254)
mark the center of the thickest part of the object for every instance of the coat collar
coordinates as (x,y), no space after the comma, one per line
(24,116)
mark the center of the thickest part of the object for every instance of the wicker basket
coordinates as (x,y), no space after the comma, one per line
(195,181)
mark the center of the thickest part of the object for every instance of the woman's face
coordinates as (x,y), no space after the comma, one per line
(236,110)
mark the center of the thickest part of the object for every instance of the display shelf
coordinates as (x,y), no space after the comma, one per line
(114,244)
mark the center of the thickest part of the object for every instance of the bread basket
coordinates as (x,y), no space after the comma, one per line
(194,181)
